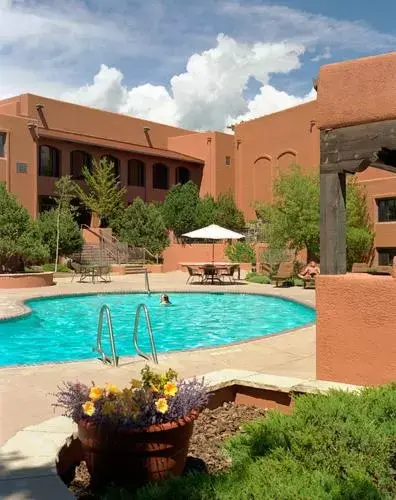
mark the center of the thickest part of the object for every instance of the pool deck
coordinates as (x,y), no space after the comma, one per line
(25,391)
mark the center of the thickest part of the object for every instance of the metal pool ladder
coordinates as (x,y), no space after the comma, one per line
(105,359)
(146,283)
(153,356)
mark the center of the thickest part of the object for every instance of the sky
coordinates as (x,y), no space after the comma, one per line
(199,64)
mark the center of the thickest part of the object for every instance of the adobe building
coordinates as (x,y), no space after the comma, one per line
(42,139)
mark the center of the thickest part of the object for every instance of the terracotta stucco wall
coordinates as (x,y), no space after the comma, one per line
(148,193)
(269,144)
(225,174)
(176,253)
(357,91)
(98,123)
(355,334)
(20,147)
(200,145)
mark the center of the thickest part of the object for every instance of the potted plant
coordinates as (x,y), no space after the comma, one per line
(138,434)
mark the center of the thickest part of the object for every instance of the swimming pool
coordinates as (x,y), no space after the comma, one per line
(64,328)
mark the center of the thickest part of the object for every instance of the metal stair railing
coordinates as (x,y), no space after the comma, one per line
(105,359)
(150,332)
(146,282)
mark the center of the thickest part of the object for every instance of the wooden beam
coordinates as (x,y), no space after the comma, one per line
(332,223)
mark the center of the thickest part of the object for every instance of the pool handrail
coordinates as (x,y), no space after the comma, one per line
(105,359)
(150,332)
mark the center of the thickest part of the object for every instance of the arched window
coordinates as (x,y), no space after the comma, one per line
(160,176)
(136,173)
(286,159)
(116,161)
(49,161)
(262,179)
(78,160)
(182,175)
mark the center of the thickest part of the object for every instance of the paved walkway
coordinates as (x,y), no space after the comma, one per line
(25,390)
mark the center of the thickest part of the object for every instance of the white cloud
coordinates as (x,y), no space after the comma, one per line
(208,93)
(326,54)
(271,100)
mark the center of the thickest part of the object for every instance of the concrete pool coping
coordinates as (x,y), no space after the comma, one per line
(29,457)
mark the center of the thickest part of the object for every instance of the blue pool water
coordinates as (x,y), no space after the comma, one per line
(64,328)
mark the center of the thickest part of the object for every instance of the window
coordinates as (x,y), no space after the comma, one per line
(21,168)
(116,161)
(46,203)
(49,161)
(182,175)
(3,138)
(78,160)
(136,173)
(386,209)
(385,256)
(228,161)
(160,176)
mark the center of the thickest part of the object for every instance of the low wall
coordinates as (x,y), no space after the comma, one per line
(197,252)
(355,328)
(26,280)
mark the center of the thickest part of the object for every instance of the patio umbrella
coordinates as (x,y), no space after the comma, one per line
(214,232)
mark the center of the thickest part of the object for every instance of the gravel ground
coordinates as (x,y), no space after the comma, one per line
(211,429)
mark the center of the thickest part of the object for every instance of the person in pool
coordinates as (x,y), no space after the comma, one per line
(165,300)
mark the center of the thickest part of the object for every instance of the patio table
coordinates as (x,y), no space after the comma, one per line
(94,271)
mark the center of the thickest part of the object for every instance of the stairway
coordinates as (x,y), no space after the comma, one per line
(134,269)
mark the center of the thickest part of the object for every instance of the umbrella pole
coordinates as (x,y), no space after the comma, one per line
(213,247)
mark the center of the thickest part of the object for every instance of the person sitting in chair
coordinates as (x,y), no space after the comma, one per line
(310,271)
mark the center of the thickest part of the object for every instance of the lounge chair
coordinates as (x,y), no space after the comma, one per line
(360,267)
(309,283)
(285,273)
(193,273)
(75,267)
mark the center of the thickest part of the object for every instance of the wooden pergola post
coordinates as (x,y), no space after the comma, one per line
(332,223)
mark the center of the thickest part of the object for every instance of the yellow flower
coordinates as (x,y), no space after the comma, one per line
(112,389)
(88,408)
(170,389)
(95,393)
(161,405)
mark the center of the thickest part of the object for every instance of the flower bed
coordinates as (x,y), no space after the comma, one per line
(26,280)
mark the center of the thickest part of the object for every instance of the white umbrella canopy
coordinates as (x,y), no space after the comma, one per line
(214,232)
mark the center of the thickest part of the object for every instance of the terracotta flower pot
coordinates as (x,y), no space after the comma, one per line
(135,456)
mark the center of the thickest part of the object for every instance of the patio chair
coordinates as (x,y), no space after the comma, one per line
(285,273)
(229,273)
(193,273)
(75,267)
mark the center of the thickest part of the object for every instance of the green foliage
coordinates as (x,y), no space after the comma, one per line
(334,447)
(65,192)
(273,256)
(142,225)
(180,208)
(20,242)
(70,239)
(240,251)
(62,268)
(184,211)
(206,212)
(293,220)
(103,195)
(262,279)
(227,213)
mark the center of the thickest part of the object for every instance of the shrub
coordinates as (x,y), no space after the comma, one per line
(20,241)
(262,279)
(62,268)
(142,225)
(70,239)
(331,447)
(180,208)
(240,252)
(227,213)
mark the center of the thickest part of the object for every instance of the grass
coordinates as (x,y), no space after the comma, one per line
(62,268)
(262,279)
(334,447)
